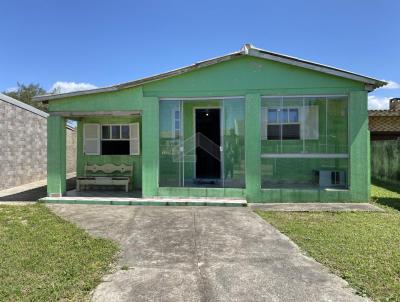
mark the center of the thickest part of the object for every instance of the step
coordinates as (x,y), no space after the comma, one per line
(153,201)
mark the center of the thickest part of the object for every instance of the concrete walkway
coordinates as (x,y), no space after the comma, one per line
(203,254)
(317,207)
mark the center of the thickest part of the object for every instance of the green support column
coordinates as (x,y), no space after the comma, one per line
(150,141)
(56,156)
(359,146)
(253,147)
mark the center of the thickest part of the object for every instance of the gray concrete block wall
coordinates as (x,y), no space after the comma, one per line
(23,146)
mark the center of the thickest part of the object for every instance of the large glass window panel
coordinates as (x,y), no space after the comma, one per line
(304,142)
(337,125)
(297,173)
(233,128)
(290,136)
(313,125)
(304,125)
(270,125)
(170,170)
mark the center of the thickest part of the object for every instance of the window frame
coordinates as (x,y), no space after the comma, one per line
(280,123)
(133,138)
(120,132)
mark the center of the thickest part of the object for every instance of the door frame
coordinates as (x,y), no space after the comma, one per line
(220,134)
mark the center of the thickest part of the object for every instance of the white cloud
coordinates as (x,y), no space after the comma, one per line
(11,89)
(378,102)
(391,85)
(64,87)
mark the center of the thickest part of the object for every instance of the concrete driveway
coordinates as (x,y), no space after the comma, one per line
(203,254)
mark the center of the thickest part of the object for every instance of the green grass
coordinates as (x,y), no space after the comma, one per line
(363,248)
(44,258)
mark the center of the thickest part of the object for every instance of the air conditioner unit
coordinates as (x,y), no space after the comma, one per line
(332,178)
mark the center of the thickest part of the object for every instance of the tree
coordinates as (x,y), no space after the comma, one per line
(25,93)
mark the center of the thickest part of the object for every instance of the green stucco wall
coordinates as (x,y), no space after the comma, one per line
(248,77)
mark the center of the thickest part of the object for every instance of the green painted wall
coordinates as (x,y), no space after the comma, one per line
(245,76)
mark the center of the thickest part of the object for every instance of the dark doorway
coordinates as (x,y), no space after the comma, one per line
(208,141)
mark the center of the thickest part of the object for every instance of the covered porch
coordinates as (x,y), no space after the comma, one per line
(109,158)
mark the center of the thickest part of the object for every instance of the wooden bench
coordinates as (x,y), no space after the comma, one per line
(93,176)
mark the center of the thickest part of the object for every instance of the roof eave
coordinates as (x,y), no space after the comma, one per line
(257,52)
(247,50)
(130,84)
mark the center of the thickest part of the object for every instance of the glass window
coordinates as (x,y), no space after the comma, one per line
(115,140)
(105,132)
(125,131)
(115,132)
(272,116)
(304,142)
(283,115)
(274,132)
(294,115)
(282,128)
(304,173)
(291,131)
(177,125)
(170,163)
(233,143)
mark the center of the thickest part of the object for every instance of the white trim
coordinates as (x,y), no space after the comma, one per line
(305,155)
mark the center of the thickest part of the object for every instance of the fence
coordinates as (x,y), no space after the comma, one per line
(385,160)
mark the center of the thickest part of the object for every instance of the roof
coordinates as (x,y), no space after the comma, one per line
(22,105)
(246,50)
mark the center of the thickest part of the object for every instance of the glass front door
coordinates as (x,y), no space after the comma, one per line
(202,143)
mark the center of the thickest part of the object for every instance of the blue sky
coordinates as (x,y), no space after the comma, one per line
(101,43)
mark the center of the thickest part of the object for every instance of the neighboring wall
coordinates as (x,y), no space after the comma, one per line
(385,160)
(23,146)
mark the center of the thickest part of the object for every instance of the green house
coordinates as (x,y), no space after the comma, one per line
(251,124)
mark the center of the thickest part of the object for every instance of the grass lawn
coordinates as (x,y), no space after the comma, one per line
(44,258)
(363,248)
